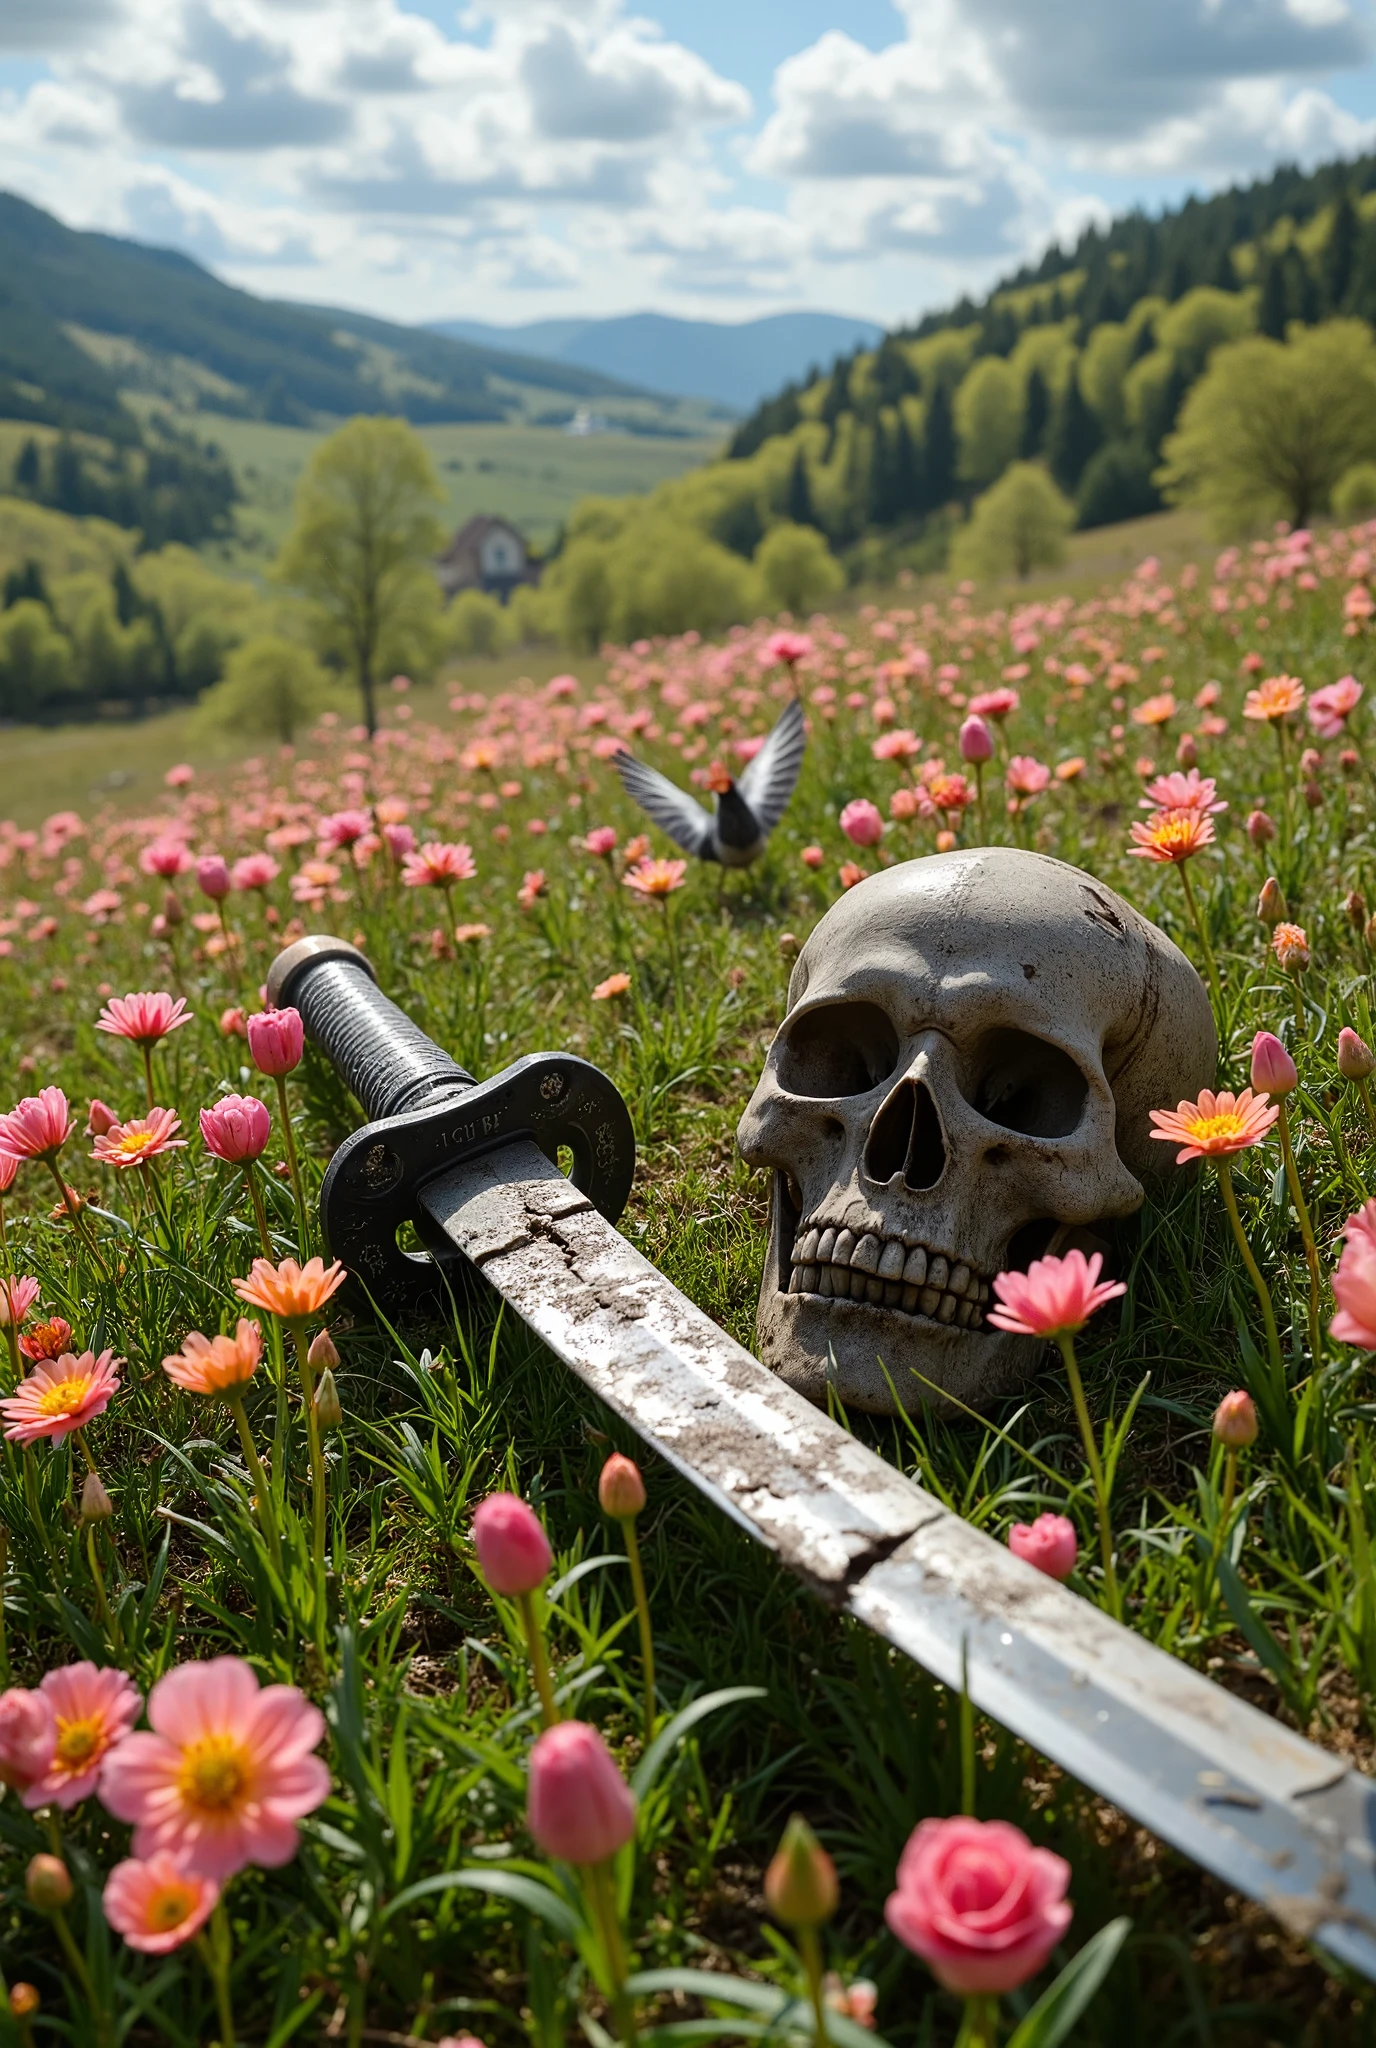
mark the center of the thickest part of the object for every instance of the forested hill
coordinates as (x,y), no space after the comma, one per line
(1082,360)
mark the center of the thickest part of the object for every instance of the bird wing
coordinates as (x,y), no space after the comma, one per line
(667,806)
(771,778)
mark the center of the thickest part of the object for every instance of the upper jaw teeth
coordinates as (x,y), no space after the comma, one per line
(833,1261)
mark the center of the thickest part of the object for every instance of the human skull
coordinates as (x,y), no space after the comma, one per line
(963,1079)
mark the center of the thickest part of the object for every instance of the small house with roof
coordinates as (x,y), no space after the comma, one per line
(486,554)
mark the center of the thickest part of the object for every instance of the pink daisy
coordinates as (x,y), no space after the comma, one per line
(94,1711)
(144,1018)
(59,1396)
(1053,1296)
(157,1905)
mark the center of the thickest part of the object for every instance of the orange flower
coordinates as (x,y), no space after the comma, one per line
(614,985)
(1275,698)
(1155,710)
(1071,770)
(657,878)
(291,1291)
(1171,835)
(1216,1124)
(1291,942)
(207,1365)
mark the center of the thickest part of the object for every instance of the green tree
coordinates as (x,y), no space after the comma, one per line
(1036,414)
(28,467)
(1270,427)
(798,505)
(1017,526)
(938,465)
(38,674)
(362,544)
(1074,437)
(476,624)
(988,414)
(271,686)
(1354,494)
(797,569)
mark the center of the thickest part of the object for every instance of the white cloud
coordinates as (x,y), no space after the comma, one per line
(38,26)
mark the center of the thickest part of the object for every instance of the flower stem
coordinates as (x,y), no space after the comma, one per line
(642,1611)
(1263,1292)
(539,1662)
(1368,1105)
(1311,1250)
(307,1372)
(73,1208)
(82,1974)
(215,1950)
(598,1882)
(12,1344)
(31,1500)
(146,1049)
(1211,966)
(293,1165)
(810,1949)
(256,1197)
(979,2028)
(104,1612)
(267,1515)
(1096,1472)
(4,1575)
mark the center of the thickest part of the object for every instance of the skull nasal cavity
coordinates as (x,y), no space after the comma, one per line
(906,1138)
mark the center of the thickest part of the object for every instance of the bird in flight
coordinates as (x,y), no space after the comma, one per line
(747,811)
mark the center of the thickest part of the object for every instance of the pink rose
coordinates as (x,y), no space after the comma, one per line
(979,1904)
(1049,1543)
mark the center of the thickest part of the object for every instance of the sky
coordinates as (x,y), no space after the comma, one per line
(514,160)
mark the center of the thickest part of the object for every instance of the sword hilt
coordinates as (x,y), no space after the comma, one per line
(426,1114)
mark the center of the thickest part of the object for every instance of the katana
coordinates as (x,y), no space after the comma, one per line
(475,1168)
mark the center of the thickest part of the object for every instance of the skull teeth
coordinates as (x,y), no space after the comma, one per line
(834,1263)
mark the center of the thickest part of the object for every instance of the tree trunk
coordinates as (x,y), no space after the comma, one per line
(365,683)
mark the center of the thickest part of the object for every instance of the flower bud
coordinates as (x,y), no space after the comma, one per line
(1355,1058)
(101,1119)
(1349,760)
(976,740)
(1313,794)
(579,1807)
(28,1734)
(1273,1070)
(276,1040)
(1311,760)
(800,1884)
(322,1353)
(1271,902)
(213,877)
(172,911)
(24,2001)
(329,1412)
(621,1490)
(48,1884)
(789,948)
(1186,752)
(1354,904)
(1260,829)
(1049,1543)
(513,1550)
(96,1504)
(1235,1421)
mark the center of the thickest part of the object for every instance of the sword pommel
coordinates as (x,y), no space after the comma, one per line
(427,1115)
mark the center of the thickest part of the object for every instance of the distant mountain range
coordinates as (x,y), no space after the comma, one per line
(84,316)
(735,365)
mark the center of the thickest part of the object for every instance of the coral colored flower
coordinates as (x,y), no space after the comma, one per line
(157,1905)
(207,1365)
(467,934)
(1291,943)
(513,1549)
(165,857)
(236,1128)
(93,1711)
(17,1297)
(1025,776)
(1273,1070)
(225,1774)
(601,841)
(1235,1421)
(979,1904)
(9,1167)
(579,1807)
(1176,792)
(533,887)
(658,878)
(1276,698)
(28,1730)
(898,745)
(232,1022)
(1071,770)
(1050,1544)
(993,704)
(614,985)
(144,1018)
(438,864)
(46,1340)
(1331,707)
(812,856)
(1154,710)
(861,822)
(850,872)
(141,1139)
(949,793)
(276,1041)
(38,1127)
(1215,1124)
(1053,1296)
(636,849)
(1171,835)
(60,1396)
(1354,1283)
(254,871)
(291,1291)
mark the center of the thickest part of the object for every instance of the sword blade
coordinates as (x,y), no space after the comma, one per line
(1266,1811)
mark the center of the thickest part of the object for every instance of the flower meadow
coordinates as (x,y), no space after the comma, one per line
(365,1685)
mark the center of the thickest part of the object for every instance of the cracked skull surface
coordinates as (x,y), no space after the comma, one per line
(962,1083)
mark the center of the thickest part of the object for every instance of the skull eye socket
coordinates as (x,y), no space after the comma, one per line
(1024,1084)
(840,1049)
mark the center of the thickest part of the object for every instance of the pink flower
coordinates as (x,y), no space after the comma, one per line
(225,1774)
(180,776)
(601,840)
(579,1807)
(1192,792)
(1053,1297)
(141,1139)
(236,1128)
(861,822)
(276,1041)
(157,1905)
(17,1297)
(60,1396)
(1261,829)
(1355,1058)
(100,1119)
(994,704)
(93,1711)
(38,1127)
(787,648)
(1049,1543)
(1273,1070)
(28,1731)
(812,856)
(254,871)
(1331,707)
(1235,1421)
(213,878)
(1354,1283)
(438,865)
(979,1904)
(343,828)
(399,840)
(144,1018)
(1025,776)
(165,857)
(513,1550)
(976,740)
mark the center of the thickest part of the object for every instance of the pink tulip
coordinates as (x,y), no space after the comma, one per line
(979,1904)
(1049,1543)
(976,741)
(513,1550)
(1355,1058)
(236,1128)
(1053,1297)
(579,1807)
(1273,1070)
(276,1041)
(28,1735)
(101,1118)
(213,877)
(1235,1421)
(861,822)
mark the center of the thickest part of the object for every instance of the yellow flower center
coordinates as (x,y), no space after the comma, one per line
(169,1907)
(79,1741)
(133,1144)
(65,1398)
(1203,1130)
(213,1773)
